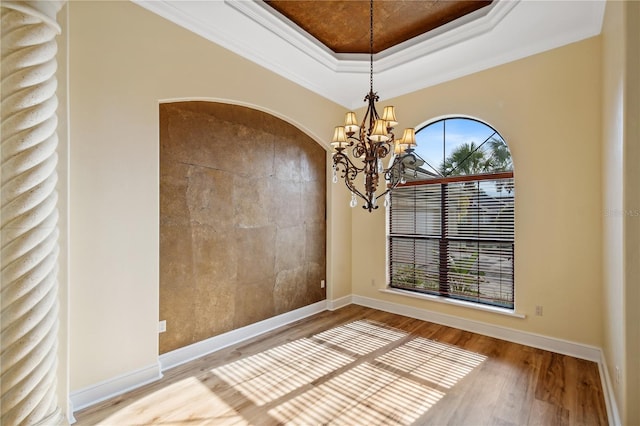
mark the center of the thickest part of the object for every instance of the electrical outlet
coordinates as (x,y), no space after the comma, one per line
(373,282)
(321,283)
(538,310)
(162,326)
(618,375)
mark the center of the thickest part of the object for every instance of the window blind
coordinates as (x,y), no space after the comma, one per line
(454,237)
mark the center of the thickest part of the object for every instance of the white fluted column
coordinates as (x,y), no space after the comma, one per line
(28,214)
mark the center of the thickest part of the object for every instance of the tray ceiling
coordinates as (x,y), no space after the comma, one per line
(343,26)
(504,31)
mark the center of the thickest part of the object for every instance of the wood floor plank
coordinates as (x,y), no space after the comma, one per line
(361,366)
(551,379)
(544,414)
(521,371)
(587,407)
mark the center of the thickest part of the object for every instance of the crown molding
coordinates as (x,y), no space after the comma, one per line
(468,26)
(506,31)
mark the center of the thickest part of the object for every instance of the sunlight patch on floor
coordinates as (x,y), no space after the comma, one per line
(442,364)
(274,373)
(364,395)
(323,378)
(179,401)
(360,337)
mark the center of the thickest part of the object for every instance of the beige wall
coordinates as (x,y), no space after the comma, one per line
(612,187)
(632,219)
(123,60)
(621,203)
(547,107)
(339,239)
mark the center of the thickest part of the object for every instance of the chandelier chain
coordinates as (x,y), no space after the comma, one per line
(371,46)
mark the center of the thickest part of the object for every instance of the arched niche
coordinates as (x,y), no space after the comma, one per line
(242,219)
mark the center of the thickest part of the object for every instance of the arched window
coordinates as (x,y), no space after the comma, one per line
(451,225)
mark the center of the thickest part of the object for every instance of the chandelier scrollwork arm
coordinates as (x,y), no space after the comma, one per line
(348,171)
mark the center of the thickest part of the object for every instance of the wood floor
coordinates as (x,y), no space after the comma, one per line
(360,366)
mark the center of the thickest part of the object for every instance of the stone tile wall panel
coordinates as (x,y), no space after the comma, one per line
(242,219)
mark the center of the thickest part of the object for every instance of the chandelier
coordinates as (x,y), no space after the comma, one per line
(369,144)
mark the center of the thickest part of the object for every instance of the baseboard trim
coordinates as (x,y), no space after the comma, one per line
(106,389)
(565,347)
(205,347)
(70,418)
(341,302)
(609,397)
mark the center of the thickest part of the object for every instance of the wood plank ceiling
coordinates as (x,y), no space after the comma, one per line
(343,26)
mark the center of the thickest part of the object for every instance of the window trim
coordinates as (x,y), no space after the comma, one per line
(459,178)
(450,301)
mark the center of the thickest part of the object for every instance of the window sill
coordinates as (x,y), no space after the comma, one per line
(454,302)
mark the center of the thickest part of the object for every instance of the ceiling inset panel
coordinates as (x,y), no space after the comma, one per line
(343,26)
